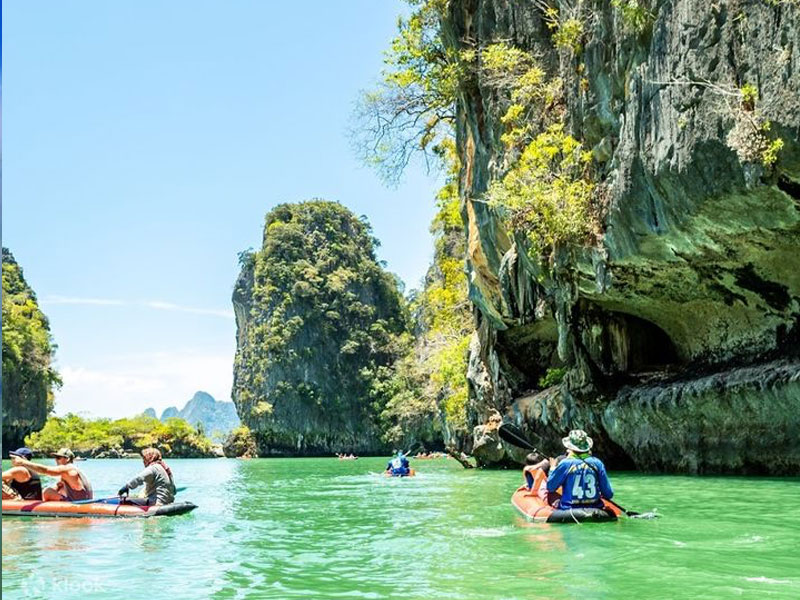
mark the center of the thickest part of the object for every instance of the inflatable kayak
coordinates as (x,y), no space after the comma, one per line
(102,508)
(411,473)
(535,509)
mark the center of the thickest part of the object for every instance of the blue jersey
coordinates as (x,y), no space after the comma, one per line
(583,482)
(398,466)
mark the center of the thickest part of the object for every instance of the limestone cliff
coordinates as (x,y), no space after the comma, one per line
(678,323)
(316,316)
(28,377)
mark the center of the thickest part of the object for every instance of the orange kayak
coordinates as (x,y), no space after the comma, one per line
(411,473)
(535,509)
(37,508)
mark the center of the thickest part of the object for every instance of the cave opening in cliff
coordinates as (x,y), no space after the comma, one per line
(641,345)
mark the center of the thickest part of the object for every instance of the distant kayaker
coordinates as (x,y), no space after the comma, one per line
(399,466)
(581,476)
(73,484)
(21,483)
(159,484)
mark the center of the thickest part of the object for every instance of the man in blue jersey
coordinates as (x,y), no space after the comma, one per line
(398,466)
(581,477)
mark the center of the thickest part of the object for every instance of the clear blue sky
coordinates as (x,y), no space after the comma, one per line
(143,144)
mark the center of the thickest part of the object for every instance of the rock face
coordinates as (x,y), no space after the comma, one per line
(680,325)
(28,377)
(217,418)
(315,316)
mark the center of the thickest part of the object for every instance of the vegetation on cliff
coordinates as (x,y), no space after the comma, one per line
(428,389)
(240,443)
(116,438)
(28,349)
(413,112)
(320,324)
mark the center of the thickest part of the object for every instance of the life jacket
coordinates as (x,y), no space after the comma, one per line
(539,478)
(28,490)
(168,471)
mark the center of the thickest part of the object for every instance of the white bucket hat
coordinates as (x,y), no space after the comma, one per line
(577,441)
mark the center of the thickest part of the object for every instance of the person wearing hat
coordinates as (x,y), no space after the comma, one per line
(72,485)
(581,476)
(398,466)
(21,483)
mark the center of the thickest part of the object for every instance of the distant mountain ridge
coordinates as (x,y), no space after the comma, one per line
(217,418)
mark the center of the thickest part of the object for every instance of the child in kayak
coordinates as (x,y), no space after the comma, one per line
(398,466)
(581,476)
(159,485)
(535,473)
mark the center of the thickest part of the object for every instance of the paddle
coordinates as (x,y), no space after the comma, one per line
(514,436)
(93,500)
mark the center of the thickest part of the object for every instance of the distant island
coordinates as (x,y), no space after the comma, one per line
(216,419)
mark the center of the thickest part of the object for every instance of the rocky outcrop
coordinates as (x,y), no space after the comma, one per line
(216,418)
(316,317)
(28,376)
(694,280)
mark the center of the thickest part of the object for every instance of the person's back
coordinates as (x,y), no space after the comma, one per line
(581,477)
(583,481)
(398,465)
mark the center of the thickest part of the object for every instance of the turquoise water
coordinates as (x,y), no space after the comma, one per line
(325,529)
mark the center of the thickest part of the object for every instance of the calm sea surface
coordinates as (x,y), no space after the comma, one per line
(323,528)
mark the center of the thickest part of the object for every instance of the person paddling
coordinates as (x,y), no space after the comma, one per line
(159,484)
(581,476)
(21,483)
(72,485)
(398,466)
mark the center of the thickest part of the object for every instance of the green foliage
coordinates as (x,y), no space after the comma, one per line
(28,349)
(93,436)
(635,15)
(324,324)
(428,387)
(749,94)
(770,155)
(240,443)
(554,376)
(569,35)
(412,110)
(547,193)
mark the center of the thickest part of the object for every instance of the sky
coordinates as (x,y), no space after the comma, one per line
(143,143)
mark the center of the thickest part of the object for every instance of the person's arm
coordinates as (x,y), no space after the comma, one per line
(16,474)
(144,475)
(556,477)
(55,471)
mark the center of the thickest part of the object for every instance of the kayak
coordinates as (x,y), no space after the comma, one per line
(101,508)
(411,473)
(535,509)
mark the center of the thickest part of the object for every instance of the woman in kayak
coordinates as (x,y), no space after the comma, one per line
(159,485)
